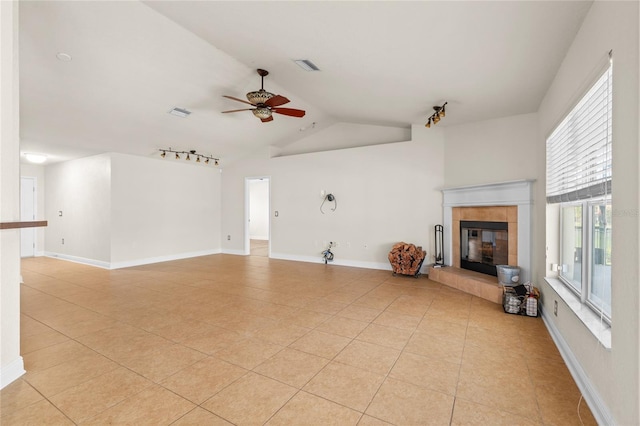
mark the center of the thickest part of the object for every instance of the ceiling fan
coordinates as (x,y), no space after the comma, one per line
(266,103)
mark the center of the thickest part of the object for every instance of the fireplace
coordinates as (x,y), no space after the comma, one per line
(483,245)
(509,202)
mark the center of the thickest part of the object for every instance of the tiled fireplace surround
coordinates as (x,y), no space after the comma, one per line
(509,202)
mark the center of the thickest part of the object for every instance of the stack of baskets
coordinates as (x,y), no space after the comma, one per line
(516,298)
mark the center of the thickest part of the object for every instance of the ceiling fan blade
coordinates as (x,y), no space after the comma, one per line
(236,99)
(264,120)
(277,100)
(236,110)
(289,111)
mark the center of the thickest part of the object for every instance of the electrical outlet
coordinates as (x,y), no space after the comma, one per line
(555,307)
(63,241)
(228,237)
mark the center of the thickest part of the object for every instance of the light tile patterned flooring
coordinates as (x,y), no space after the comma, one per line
(249,340)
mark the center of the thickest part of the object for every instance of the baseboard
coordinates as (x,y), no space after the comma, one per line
(591,396)
(340,262)
(11,372)
(77,259)
(135,262)
(158,259)
(236,252)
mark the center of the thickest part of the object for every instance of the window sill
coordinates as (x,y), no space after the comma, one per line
(600,329)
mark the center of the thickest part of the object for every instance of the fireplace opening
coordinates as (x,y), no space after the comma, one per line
(483,245)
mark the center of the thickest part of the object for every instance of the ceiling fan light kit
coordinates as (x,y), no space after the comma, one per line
(437,115)
(265,103)
(262,113)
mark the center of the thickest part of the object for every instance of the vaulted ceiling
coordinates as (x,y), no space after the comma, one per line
(381,63)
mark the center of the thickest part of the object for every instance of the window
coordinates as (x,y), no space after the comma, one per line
(579,173)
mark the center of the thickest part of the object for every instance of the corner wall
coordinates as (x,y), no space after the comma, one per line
(613,375)
(11,363)
(491,151)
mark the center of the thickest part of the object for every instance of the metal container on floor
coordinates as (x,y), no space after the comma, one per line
(508,275)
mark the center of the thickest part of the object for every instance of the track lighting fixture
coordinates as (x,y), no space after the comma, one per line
(189,153)
(436,116)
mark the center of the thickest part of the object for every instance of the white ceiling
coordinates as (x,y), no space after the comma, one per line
(382,63)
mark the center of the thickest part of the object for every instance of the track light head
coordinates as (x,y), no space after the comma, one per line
(164,154)
(177,156)
(436,116)
(216,162)
(206,161)
(188,158)
(198,159)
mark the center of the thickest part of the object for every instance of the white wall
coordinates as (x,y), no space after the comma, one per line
(614,374)
(81,189)
(11,363)
(491,151)
(385,193)
(37,171)
(259,209)
(162,209)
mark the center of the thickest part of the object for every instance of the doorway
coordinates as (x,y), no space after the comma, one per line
(257,230)
(27,214)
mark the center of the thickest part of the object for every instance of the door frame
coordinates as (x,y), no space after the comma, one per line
(247,211)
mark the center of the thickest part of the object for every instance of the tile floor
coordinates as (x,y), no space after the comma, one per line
(249,340)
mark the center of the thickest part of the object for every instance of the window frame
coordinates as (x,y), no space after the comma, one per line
(584,193)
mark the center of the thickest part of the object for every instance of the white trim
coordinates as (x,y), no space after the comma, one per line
(591,396)
(136,262)
(235,252)
(384,266)
(11,372)
(518,193)
(77,259)
(167,258)
(40,254)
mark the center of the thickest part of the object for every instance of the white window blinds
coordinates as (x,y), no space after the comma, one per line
(579,149)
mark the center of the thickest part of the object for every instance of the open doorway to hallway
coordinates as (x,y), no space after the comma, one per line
(258,225)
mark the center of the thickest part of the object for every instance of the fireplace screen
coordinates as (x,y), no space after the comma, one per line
(483,245)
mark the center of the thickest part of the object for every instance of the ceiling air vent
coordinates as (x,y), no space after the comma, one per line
(306,65)
(180,112)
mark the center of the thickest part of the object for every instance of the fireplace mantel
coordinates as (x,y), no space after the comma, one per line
(515,193)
